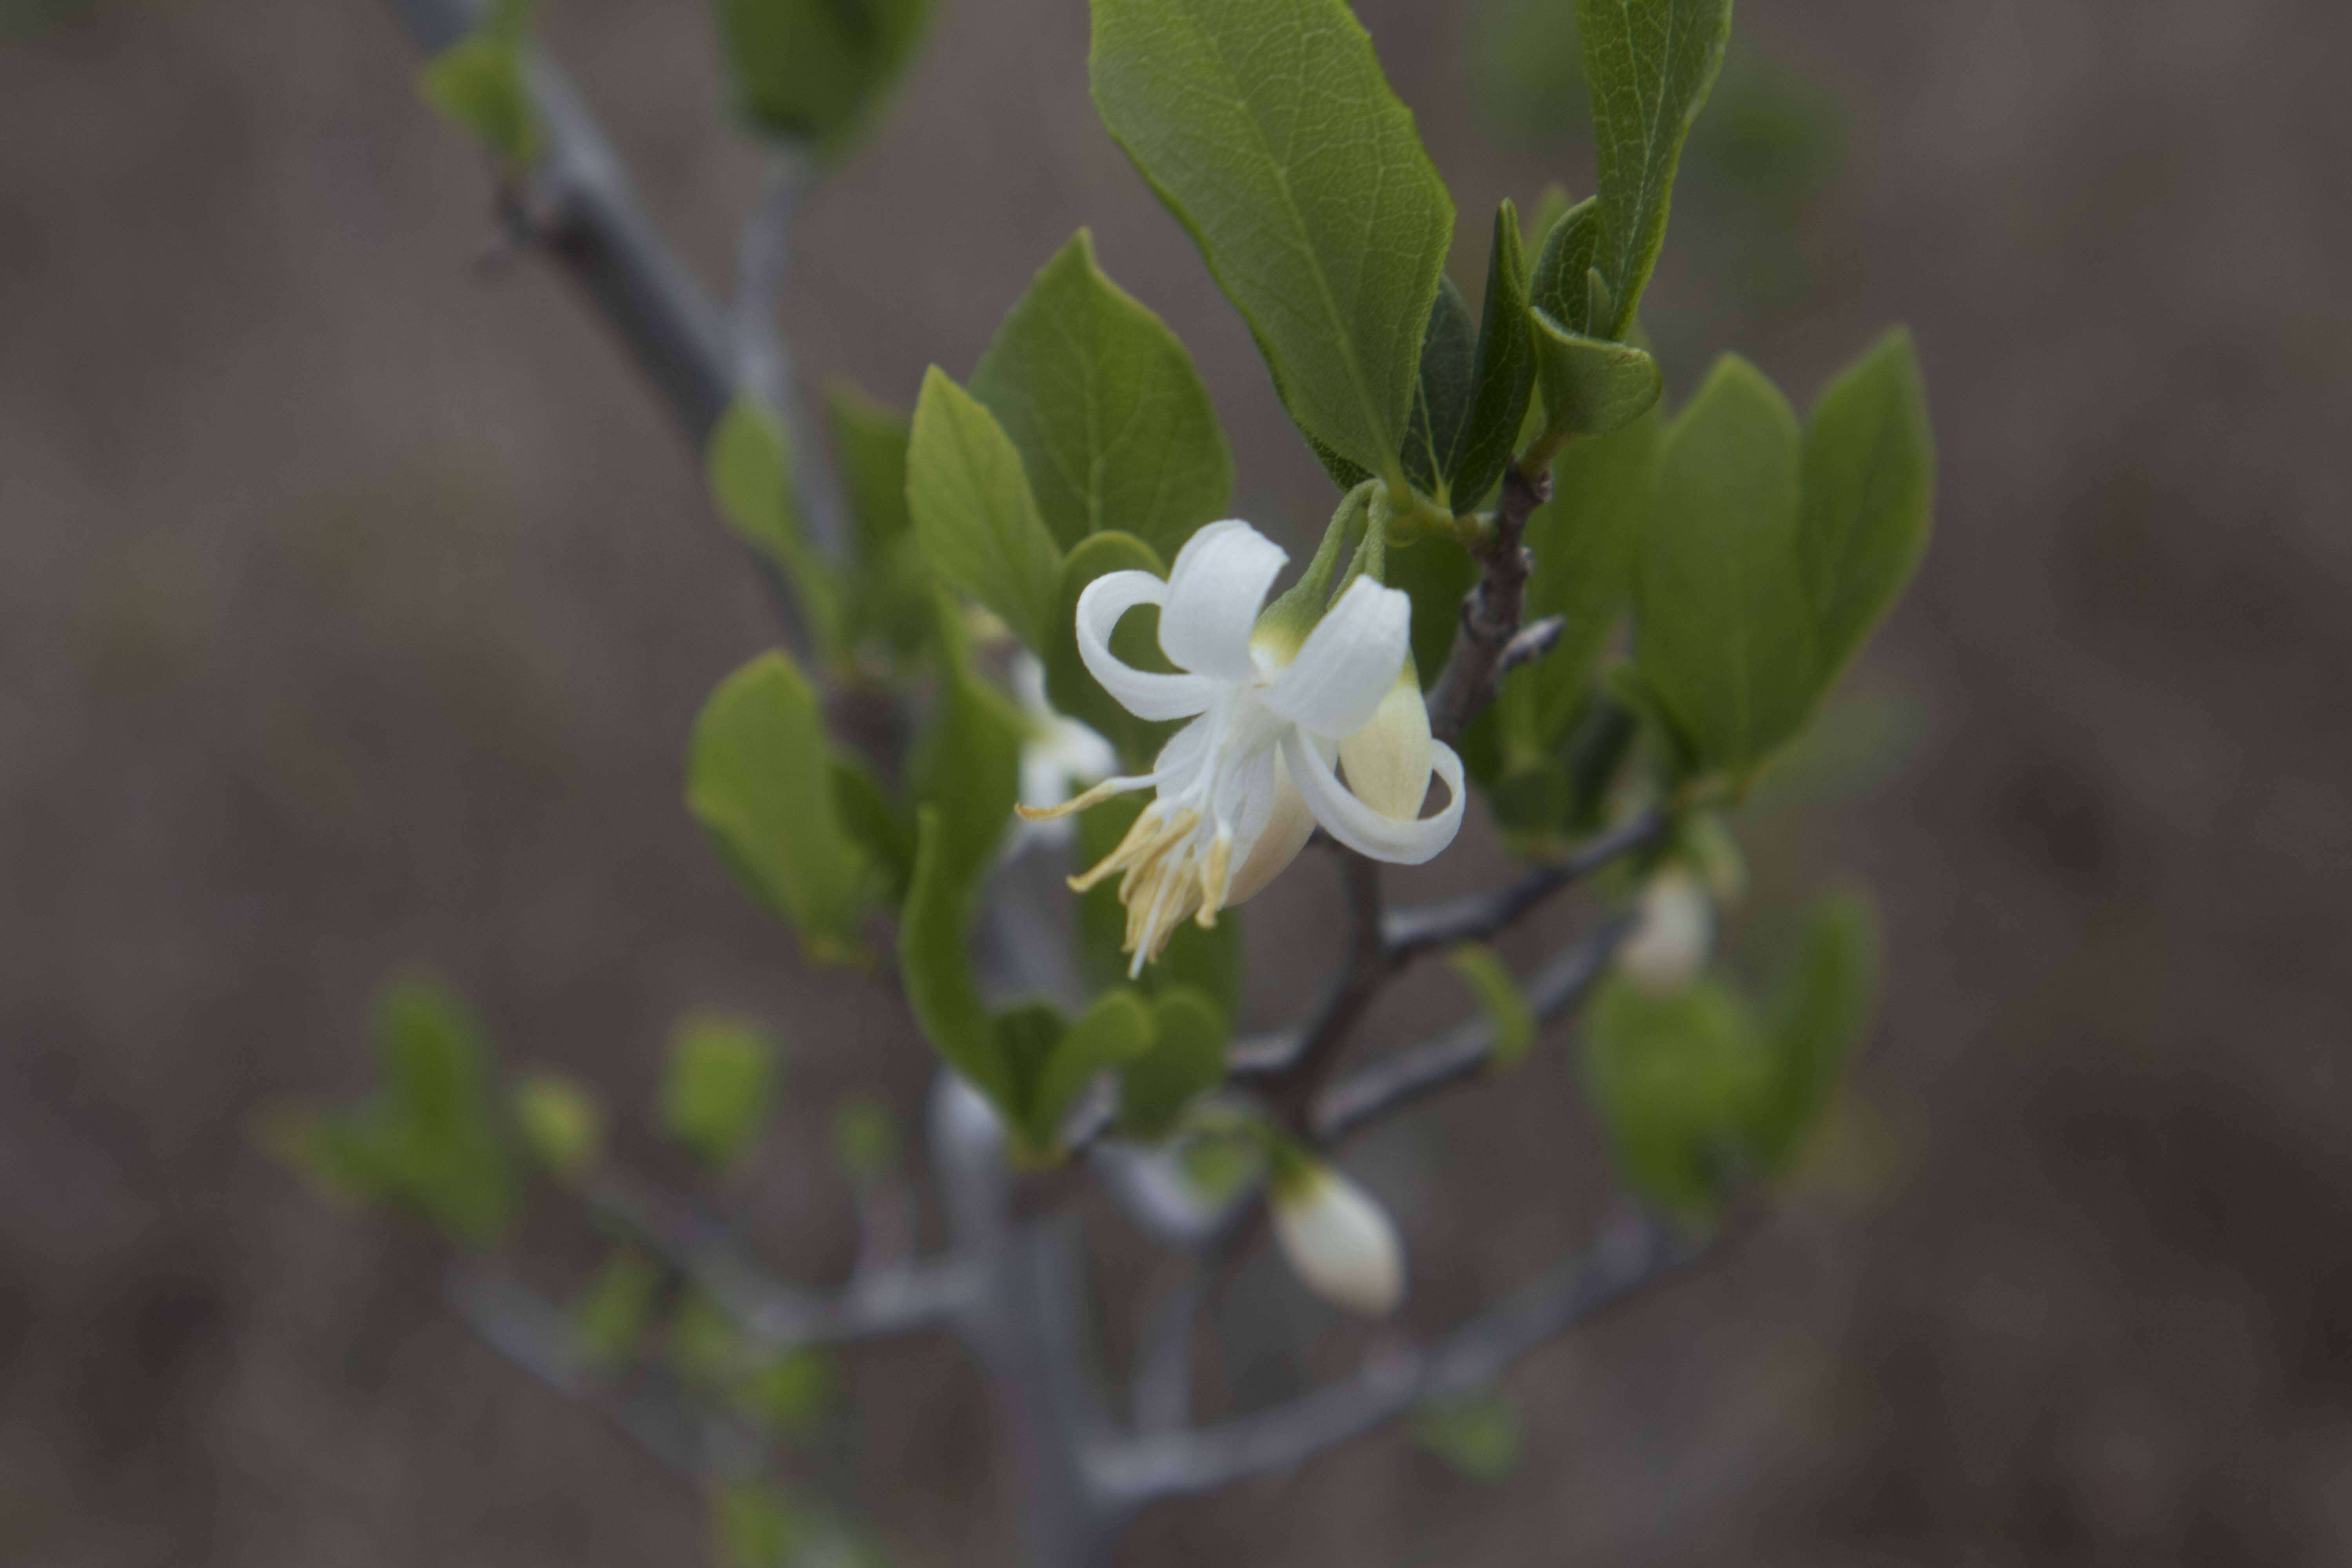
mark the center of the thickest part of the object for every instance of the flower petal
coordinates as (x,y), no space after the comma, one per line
(1141,692)
(1358,825)
(1287,827)
(1214,591)
(1349,661)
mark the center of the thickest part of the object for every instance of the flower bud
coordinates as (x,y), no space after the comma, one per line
(1672,936)
(1389,760)
(1339,1240)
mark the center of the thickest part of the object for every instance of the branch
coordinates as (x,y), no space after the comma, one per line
(894,1298)
(1463,1052)
(1491,611)
(1480,917)
(1368,966)
(1632,1253)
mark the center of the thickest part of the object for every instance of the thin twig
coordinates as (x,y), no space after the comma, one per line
(1367,966)
(1481,917)
(1492,611)
(1632,1253)
(1383,1087)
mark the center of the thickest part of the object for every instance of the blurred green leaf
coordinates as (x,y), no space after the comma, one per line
(610,1316)
(792,1393)
(1115,429)
(705,1348)
(1186,1059)
(436,1128)
(1681,1083)
(889,596)
(1114,1031)
(1069,686)
(1268,129)
(881,826)
(815,71)
(1649,65)
(716,1092)
(761,779)
(479,84)
(1869,480)
(561,1123)
(1818,1016)
(747,462)
(1434,574)
(866,1139)
(975,516)
(1500,997)
(1478,1435)
(758,1526)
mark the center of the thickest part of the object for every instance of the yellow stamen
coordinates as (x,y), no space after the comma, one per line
(1138,838)
(1216,881)
(1078,803)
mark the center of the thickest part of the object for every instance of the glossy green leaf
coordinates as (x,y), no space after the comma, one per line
(1500,997)
(1504,376)
(1819,1016)
(1069,686)
(760,780)
(1208,961)
(609,1318)
(1478,1435)
(1268,129)
(1726,643)
(1186,1061)
(975,517)
(1869,480)
(1116,1030)
(1681,1083)
(1441,395)
(561,1121)
(747,462)
(716,1089)
(480,85)
(1115,429)
(813,71)
(1648,65)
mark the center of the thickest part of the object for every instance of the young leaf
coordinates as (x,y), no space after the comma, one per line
(1442,394)
(435,1133)
(1562,286)
(561,1122)
(1591,386)
(1505,377)
(1819,1016)
(1869,477)
(749,464)
(1116,1030)
(975,516)
(1267,128)
(1186,1061)
(811,70)
(1680,1083)
(478,84)
(760,779)
(1500,998)
(715,1093)
(1069,686)
(1726,643)
(1648,64)
(1114,426)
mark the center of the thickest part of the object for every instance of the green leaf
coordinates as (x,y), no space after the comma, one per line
(1869,480)
(1186,1061)
(1500,998)
(1727,644)
(760,780)
(1818,1016)
(1562,286)
(432,1139)
(1478,1435)
(716,1091)
(1505,377)
(1592,387)
(967,760)
(1441,395)
(610,1316)
(1116,1030)
(975,517)
(812,70)
(934,962)
(1267,128)
(866,1139)
(1680,1082)
(791,1393)
(889,598)
(1115,429)
(1434,574)
(561,1122)
(1069,685)
(479,85)
(1208,961)
(1648,64)
(879,825)
(749,464)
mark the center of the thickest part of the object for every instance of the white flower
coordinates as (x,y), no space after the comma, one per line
(1675,932)
(1340,1241)
(1242,787)
(1059,756)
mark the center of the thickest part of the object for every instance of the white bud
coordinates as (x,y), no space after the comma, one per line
(1674,934)
(1390,758)
(1339,1240)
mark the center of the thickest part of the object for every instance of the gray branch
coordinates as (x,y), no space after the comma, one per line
(1632,1253)
(1492,611)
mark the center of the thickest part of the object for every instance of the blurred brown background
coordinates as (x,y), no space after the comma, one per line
(354,604)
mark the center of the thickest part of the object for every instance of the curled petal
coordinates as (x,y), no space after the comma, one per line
(1348,664)
(1215,590)
(1141,692)
(1284,832)
(1388,761)
(1358,825)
